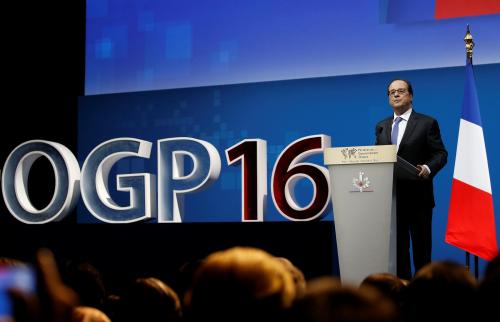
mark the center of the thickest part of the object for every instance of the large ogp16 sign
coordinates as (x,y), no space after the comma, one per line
(185,166)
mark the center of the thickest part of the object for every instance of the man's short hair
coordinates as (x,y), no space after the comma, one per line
(408,84)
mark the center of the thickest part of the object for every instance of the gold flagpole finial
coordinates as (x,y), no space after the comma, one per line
(469,43)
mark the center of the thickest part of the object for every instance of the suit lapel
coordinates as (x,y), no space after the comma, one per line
(412,121)
(388,130)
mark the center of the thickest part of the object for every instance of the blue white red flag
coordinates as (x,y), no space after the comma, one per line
(471,222)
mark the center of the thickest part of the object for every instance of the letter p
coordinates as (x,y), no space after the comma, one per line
(173,183)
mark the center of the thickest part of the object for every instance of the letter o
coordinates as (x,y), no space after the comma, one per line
(15,181)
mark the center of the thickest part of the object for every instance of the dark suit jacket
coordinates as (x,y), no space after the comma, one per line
(421,144)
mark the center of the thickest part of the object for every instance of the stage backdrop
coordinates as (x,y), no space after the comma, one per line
(344,107)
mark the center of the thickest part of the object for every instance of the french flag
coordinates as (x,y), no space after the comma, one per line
(471,223)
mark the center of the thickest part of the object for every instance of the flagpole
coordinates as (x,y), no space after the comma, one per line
(469,44)
(476,267)
(469,47)
(476,264)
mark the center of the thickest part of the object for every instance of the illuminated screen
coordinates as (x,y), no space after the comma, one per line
(155,44)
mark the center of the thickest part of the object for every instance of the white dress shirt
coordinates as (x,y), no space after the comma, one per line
(402,124)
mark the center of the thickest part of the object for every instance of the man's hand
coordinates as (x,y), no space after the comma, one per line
(423,172)
(54,302)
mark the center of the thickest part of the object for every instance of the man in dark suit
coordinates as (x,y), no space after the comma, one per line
(418,140)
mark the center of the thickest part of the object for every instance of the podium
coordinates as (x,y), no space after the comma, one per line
(364,209)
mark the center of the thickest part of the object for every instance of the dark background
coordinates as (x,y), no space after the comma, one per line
(44,48)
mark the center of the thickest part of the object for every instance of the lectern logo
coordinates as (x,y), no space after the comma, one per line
(349,153)
(361,183)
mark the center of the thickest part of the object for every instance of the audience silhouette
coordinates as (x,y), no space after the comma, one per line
(327,300)
(248,284)
(148,300)
(441,291)
(240,284)
(389,285)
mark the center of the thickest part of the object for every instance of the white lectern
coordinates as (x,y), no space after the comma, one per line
(364,214)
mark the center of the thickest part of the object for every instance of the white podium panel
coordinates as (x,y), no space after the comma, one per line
(363,209)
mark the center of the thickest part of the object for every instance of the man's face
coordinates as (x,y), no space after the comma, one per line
(399,97)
